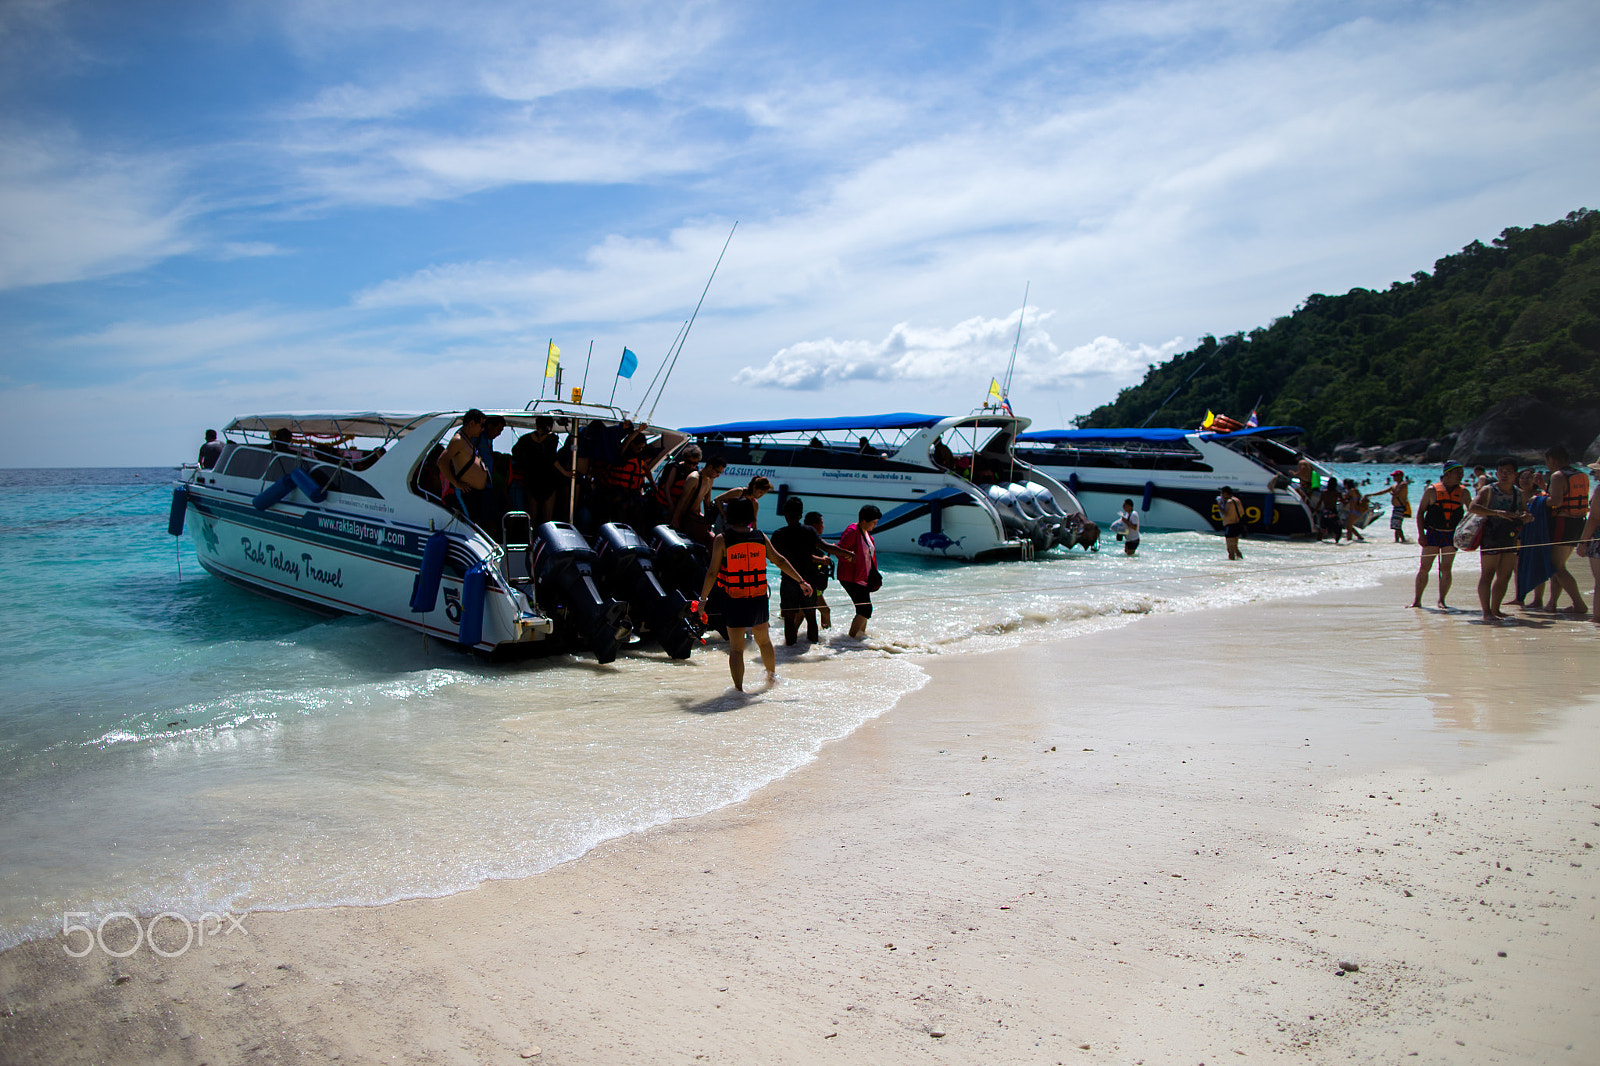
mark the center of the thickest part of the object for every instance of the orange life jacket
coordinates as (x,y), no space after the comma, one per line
(1575,504)
(744,564)
(1451,503)
(626,475)
(669,495)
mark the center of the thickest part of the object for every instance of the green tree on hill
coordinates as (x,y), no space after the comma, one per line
(1419,360)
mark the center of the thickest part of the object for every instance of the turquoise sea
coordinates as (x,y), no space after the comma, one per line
(169,742)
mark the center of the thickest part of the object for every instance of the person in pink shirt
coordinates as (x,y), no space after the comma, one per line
(858,574)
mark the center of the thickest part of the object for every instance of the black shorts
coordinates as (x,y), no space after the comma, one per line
(861,597)
(1439,538)
(744,612)
(789,597)
(1233,529)
(1564,529)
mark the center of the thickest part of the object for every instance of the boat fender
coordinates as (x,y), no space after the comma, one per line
(274,492)
(1149,495)
(1072,482)
(425,592)
(180,507)
(1266,510)
(472,595)
(302,481)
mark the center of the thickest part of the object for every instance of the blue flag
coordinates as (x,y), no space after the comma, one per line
(630,363)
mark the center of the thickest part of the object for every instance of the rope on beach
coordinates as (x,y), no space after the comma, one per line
(82,514)
(1152,579)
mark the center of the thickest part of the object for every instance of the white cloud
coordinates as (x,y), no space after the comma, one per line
(67,214)
(975,348)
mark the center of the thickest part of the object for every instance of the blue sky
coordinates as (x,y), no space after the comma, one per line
(216,208)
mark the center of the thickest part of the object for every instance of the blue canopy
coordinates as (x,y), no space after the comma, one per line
(1153,436)
(898,420)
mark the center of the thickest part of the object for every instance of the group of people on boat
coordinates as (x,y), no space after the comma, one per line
(1524,524)
(608,472)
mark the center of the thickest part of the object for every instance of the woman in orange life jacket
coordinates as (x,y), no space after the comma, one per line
(1569,504)
(739,557)
(1438,513)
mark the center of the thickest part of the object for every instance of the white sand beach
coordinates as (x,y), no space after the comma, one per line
(1153,844)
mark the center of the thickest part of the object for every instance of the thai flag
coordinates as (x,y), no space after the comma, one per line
(1251,423)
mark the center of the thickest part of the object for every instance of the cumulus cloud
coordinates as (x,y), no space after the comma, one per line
(977,347)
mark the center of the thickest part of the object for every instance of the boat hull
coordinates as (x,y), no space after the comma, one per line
(923,513)
(344,564)
(1191,508)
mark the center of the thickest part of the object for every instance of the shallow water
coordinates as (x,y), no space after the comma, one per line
(170,742)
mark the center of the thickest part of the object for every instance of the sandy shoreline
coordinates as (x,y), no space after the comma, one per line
(1152,844)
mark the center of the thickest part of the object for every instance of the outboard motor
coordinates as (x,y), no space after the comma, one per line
(1017,519)
(679,564)
(563,566)
(1044,501)
(627,573)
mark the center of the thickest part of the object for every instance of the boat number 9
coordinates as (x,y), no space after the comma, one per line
(1252,515)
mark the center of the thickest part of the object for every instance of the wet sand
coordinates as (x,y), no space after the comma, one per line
(1155,844)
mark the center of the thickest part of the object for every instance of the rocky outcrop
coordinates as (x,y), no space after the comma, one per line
(1414,451)
(1523,427)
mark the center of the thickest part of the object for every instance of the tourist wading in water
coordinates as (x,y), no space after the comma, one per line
(1439,512)
(1232,511)
(738,570)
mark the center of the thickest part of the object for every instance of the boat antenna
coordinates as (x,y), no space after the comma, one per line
(1177,390)
(668,376)
(1006,392)
(585,385)
(657,375)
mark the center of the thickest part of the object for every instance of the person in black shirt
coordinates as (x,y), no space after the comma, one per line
(804,549)
(210,451)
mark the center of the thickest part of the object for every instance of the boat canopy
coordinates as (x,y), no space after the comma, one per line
(898,420)
(341,424)
(1152,436)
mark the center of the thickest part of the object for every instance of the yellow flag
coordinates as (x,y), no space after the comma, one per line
(552,361)
(994,390)
(1210,418)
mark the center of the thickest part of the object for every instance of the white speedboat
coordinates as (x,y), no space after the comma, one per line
(950,487)
(341,513)
(1173,475)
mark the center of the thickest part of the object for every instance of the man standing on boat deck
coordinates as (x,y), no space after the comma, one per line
(739,557)
(460,467)
(210,451)
(688,518)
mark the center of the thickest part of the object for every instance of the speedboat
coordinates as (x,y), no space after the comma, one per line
(948,486)
(1173,475)
(342,513)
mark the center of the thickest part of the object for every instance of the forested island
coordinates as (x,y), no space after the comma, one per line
(1497,350)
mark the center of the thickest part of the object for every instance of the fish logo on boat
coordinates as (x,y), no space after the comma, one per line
(208,533)
(938,542)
